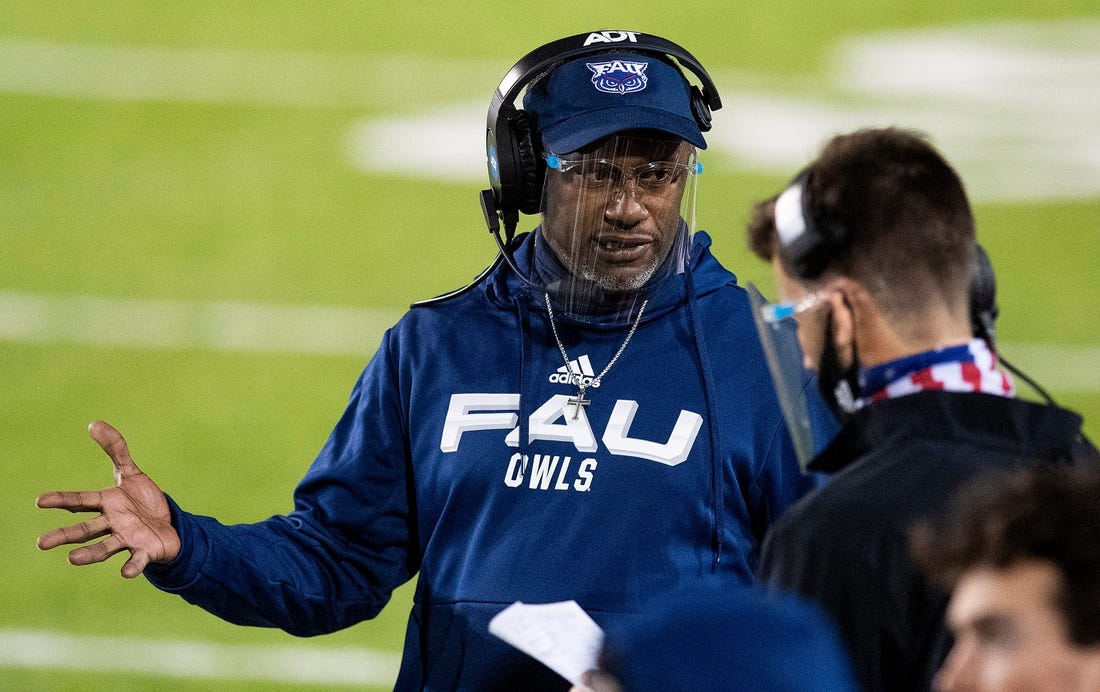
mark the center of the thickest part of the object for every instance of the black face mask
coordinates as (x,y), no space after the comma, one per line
(839,386)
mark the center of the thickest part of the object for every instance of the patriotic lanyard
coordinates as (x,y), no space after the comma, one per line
(970,367)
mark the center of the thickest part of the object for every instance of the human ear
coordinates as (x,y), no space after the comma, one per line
(842,326)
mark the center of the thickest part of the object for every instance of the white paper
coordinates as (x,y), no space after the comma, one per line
(560,635)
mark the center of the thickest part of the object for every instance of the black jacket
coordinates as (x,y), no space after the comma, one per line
(895,462)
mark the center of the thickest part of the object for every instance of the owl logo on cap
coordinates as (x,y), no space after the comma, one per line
(619,76)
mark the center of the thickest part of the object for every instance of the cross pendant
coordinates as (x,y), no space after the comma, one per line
(577,402)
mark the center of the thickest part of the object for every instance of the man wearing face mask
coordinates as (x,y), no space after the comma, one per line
(591,419)
(873,248)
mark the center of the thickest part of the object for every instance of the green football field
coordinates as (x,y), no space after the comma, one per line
(209,211)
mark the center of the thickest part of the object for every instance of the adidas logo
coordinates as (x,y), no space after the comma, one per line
(579,373)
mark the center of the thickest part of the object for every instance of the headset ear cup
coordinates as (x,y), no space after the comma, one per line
(700,109)
(811,251)
(824,239)
(518,175)
(500,149)
(809,243)
(983,296)
(531,172)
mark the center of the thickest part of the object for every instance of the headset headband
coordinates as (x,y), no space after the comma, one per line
(541,59)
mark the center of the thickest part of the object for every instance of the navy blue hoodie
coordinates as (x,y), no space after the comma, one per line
(458,461)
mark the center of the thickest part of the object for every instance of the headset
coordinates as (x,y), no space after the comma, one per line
(983,297)
(809,242)
(513,147)
(983,318)
(984,313)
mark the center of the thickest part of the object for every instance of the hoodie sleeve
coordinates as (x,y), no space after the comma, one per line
(334,560)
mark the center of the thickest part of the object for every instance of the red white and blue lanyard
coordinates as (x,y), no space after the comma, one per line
(970,367)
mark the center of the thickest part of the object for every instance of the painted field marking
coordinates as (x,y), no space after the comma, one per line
(231,75)
(217,326)
(1001,100)
(38,649)
(318,330)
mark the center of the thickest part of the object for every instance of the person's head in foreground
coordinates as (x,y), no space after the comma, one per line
(1020,554)
(873,248)
(724,638)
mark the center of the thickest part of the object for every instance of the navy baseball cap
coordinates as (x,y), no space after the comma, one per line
(590,98)
(719,634)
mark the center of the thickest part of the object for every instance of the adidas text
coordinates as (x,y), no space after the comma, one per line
(575,379)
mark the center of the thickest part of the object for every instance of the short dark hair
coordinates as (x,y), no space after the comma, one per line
(1050,514)
(911,234)
(760,232)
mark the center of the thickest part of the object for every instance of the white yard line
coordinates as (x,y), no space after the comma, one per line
(39,649)
(315,329)
(218,326)
(1002,100)
(230,75)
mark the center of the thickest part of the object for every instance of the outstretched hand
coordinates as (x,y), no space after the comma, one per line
(133,515)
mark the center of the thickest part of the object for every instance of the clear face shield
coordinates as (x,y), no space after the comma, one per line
(778,334)
(617,220)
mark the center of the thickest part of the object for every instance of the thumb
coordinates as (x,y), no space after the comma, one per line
(114,444)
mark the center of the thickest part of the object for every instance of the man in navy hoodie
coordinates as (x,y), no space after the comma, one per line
(592,419)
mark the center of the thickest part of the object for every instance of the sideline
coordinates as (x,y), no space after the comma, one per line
(40,649)
(217,326)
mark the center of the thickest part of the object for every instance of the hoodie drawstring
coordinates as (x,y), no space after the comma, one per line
(718,487)
(525,368)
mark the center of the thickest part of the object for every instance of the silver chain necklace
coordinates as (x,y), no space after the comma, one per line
(575,377)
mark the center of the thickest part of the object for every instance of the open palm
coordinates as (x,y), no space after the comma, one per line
(133,515)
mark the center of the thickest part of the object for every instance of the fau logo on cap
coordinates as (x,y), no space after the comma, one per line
(619,76)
